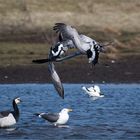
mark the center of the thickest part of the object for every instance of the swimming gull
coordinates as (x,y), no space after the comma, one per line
(93,91)
(57,119)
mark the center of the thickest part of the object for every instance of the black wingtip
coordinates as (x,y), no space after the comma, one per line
(60,23)
(60,92)
(41,61)
(62,95)
(57,26)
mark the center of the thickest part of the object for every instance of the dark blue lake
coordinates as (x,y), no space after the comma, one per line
(116,116)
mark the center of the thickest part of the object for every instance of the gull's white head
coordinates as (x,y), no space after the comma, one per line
(66,110)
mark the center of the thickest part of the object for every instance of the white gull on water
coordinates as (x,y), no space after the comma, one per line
(93,91)
(57,119)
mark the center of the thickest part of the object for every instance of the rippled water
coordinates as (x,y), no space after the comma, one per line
(116,116)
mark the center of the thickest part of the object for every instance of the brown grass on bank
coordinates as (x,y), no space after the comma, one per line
(26,22)
(33,14)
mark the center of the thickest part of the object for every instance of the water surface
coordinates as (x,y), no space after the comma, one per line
(116,116)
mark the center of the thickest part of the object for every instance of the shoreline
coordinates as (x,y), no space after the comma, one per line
(120,71)
(40,83)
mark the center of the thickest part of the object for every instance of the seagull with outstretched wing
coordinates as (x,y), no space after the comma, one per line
(83,43)
(68,38)
(56,80)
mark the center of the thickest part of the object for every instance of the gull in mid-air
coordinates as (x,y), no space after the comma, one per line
(69,38)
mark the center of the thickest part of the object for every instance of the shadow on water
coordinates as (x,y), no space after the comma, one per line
(115,116)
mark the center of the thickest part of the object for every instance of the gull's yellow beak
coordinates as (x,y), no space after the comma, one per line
(69,110)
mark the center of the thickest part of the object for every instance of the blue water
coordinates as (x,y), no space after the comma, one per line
(116,116)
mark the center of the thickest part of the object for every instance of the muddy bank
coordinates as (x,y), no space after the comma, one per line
(118,71)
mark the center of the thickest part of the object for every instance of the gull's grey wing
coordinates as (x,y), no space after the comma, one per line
(56,80)
(68,44)
(66,31)
(86,38)
(68,56)
(51,117)
(4,113)
(41,61)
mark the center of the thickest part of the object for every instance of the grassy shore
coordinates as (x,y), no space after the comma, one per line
(26,34)
(19,52)
(26,26)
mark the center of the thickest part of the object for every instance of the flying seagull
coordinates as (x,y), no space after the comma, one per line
(84,44)
(56,118)
(69,38)
(9,118)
